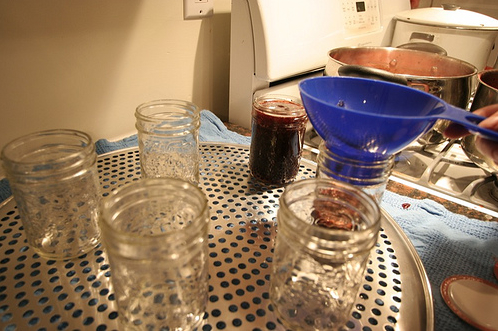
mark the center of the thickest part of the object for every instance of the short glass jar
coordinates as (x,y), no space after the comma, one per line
(369,175)
(168,139)
(54,180)
(326,230)
(278,127)
(155,234)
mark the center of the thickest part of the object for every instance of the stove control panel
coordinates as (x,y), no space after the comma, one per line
(361,16)
(274,41)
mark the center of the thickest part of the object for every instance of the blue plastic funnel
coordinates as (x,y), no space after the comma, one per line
(371,119)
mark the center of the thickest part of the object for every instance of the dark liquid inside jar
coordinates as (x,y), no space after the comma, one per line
(278,127)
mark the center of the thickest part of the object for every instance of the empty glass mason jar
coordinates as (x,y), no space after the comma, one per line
(168,139)
(278,127)
(54,180)
(326,230)
(370,176)
(155,235)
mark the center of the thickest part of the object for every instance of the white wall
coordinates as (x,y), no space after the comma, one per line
(88,64)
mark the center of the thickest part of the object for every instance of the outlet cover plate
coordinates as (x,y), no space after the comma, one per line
(197,9)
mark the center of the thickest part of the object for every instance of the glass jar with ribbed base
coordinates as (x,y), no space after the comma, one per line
(326,229)
(168,139)
(54,180)
(369,175)
(155,234)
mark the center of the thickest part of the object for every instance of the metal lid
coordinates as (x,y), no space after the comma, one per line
(448,16)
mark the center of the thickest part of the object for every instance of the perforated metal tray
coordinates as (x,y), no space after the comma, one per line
(40,294)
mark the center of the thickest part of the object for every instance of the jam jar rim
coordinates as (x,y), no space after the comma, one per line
(297,112)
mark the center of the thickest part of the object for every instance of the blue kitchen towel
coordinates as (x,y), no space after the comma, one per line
(103,145)
(212,130)
(448,244)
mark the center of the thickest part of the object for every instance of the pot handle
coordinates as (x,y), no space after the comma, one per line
(371,73)
(425,47)
(469,120)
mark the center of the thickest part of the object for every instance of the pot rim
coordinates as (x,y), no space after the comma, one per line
(472,69)
(488,72)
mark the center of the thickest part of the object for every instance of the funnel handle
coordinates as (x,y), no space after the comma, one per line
(469,120)
(371,73)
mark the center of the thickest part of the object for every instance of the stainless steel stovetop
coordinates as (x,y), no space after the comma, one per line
(446,170)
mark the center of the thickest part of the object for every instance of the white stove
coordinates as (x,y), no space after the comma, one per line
(275,44)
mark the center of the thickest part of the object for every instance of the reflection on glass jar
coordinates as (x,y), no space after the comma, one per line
(54,180)
(155,234)
(326,231)
(278,127)
(168,139)
(370,176)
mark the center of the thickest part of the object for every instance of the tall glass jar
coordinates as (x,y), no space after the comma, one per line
(54,180)
(326,230)
(155,234)
(278,127)
(369,175)
(168,139)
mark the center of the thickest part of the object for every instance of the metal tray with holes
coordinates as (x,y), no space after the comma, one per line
(40,294)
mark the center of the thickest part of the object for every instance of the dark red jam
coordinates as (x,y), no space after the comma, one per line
(278,127)
(332,213)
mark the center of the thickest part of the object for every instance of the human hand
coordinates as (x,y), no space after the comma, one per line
(485,146)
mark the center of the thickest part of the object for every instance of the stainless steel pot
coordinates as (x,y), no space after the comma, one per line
(448,78)
(486,94)
(487,89)
(486,163)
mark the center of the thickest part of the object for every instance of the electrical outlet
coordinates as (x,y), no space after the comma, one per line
(197,9)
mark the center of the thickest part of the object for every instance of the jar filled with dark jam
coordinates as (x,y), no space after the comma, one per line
(278,127)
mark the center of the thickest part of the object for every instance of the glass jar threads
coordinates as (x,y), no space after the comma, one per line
(155,234)
(369,175)
(326,230)
(278,127)
(54,180)
(168,139)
